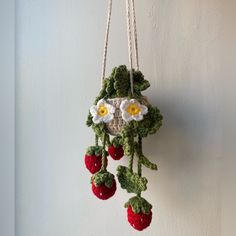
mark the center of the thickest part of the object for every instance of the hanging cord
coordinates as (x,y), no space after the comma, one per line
(104,61)
(135,35)
(129,33)
(130,8)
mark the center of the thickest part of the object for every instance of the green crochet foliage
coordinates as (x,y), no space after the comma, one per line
(150,124)
(139,205)
(140,83)
(99,129)
(94,150)
(127,138)
(130,181)
(142,158)
(118,84)
(117,141)
(121,82)
(147,163)
(103,177)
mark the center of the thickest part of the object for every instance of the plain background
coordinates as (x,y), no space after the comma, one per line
(187,53)
(7,118)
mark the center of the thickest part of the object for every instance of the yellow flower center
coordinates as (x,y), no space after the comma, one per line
(102,110)
(133,109)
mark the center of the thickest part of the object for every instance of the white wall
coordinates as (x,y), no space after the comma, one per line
(7,121)
(59,47)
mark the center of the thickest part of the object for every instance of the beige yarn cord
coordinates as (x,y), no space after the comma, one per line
(128,12)
(130,8)
(104,61)
(135,35)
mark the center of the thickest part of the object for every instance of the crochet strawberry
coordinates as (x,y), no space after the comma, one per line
(139,213)
(115,150)
(103,185)
(93,159)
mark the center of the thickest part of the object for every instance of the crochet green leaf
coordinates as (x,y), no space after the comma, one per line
(103,177)
(117,141)
(118,84)
(140,84)
(139,204)
(94,150)
(130,181)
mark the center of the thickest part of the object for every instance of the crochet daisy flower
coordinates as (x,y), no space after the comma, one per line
(102,112)
(132,110)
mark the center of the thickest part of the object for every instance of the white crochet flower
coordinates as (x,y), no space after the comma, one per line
(102,112)
(132,110)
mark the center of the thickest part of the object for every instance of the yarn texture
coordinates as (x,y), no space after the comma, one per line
(104,192)
(93,159)
(139,221)
(116,152)
(136,119)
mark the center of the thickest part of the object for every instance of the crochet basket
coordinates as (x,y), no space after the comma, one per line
(115,126)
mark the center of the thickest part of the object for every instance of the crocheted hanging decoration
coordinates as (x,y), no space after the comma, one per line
(120,118)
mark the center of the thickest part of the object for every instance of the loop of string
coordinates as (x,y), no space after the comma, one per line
(130,8)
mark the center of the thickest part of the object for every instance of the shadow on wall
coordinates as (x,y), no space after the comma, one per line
(181,149)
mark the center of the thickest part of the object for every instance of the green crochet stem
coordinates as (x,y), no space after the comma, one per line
(104,166)
(139,157)
(108,142)
(131,159)
(139,160)
(96,140)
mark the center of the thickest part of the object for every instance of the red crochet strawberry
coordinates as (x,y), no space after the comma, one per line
(103,185)
(116,150)
(139,213)
(93,159)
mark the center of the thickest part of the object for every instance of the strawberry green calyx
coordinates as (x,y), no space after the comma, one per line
(139,205)
(103,177)
(117,141)
(94,150)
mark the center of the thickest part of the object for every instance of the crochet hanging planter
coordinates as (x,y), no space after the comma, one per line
(120,118)
(130,118)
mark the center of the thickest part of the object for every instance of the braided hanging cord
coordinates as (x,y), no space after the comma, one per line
(130,12)
(104,61)
(135,35)
(129,32)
